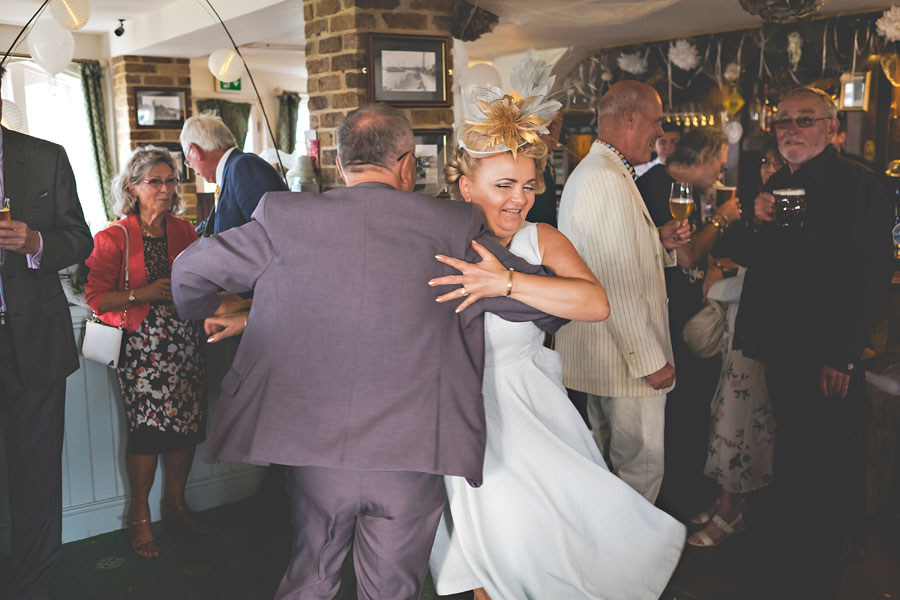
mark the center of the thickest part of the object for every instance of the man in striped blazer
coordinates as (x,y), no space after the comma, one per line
(624,363)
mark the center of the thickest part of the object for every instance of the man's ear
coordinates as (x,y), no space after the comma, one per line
(337,161)
(406,180)
(832,128)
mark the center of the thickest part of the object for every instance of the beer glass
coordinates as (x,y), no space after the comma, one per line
(724,194)
(4,209)
(681,201)
(790,207)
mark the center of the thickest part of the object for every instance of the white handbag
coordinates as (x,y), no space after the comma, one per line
(103,343)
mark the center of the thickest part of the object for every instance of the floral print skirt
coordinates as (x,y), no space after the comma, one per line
(163,381)
(742,435)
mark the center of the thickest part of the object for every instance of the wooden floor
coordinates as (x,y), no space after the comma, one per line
(246,555)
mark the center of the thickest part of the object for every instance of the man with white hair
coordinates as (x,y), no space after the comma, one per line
(242,178)
(812,294)
(625,363)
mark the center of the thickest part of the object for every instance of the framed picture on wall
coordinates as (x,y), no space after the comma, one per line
(178,154)
(431,156)
(855,91)
(408,70)
(160,108)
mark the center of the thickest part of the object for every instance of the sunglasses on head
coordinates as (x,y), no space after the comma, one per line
(802,122)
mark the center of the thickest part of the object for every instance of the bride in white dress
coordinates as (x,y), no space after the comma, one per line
(550,520)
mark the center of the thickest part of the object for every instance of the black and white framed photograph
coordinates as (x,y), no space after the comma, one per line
(160,108)
(431,156)
(177,153)
(855,91)
(408,70)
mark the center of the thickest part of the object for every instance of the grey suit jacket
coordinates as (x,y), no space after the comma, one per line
(347,360)
(40,185)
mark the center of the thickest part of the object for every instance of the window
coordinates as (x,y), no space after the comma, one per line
(54,110)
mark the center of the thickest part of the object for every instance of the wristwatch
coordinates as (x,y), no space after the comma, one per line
(131,297)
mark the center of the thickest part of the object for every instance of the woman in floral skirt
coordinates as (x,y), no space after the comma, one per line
(161,374)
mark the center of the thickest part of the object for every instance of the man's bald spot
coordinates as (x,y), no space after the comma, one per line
(625,95)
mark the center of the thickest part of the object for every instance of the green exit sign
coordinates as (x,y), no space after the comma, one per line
(229,86)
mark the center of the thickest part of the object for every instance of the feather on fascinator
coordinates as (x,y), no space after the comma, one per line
(505,122)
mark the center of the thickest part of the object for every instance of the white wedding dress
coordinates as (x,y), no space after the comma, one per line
(550,521)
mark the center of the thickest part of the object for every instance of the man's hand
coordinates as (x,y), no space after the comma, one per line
(232,303)
(18,237)
(764,207)
(833,383)
(731,210)
(662,378)
(674,234)
(224,326)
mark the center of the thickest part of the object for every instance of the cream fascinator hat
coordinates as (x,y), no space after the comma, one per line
(505,122)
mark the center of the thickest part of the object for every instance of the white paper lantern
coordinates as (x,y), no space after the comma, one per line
(226,65)
(70,14)
(482,75)
(12,116)
(51,46)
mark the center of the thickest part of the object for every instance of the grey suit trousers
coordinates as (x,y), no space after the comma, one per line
(390,517)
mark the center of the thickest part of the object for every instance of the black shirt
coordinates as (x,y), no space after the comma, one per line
(811,295)
(544,208)
(683,286)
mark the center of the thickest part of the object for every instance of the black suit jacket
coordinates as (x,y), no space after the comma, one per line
(812,296)
(39,182)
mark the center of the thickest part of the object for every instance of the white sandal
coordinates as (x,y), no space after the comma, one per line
(729,528)
(703,517)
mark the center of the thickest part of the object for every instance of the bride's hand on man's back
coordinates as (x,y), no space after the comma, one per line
(484,279)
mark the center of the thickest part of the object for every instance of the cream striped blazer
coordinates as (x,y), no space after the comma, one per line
(604,216)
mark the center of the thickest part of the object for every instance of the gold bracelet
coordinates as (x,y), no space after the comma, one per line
(509,283)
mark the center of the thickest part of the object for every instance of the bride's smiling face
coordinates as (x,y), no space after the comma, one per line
(504,189)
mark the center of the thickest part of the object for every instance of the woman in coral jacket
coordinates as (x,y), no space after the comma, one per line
(162,374)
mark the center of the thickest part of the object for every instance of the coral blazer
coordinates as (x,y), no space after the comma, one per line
(107,265)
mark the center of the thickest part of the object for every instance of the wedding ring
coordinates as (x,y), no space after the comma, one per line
(465,292)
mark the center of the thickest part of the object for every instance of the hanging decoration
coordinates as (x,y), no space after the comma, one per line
(684,55)
(632,63)
(734,131)
(12,116)
(51,46)
(225,65)
(732,72)
(70,14)
(782,11)
(889,24)
(795,48)
(734,102)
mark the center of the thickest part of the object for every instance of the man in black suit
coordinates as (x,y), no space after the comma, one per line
(46,233)
(810,300)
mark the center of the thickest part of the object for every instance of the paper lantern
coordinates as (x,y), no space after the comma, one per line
(70,14)
(12,116)
(51,46)
(226,65)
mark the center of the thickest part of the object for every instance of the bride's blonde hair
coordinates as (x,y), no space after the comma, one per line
(464,163)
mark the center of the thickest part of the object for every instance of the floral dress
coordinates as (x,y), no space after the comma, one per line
(163,377)
(742,432)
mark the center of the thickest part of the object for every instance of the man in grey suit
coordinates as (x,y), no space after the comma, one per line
(349,372)
(46,232)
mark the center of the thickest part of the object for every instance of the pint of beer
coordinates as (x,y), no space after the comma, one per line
(724,194)
(790,207)
(4,209)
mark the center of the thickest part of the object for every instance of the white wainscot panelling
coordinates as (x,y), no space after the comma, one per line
(95,492)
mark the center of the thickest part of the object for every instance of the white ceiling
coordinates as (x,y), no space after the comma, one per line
(682,19)
(186,27)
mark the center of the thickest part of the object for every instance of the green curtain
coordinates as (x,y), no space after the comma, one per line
(91,78)
(288,103)
(233,114)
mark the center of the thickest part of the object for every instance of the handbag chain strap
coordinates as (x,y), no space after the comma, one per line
(127,279)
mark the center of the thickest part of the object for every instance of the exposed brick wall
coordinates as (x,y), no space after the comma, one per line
(336,54)
(130,72)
